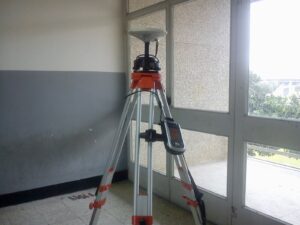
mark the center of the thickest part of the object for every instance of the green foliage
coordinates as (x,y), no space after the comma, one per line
(263,103)
(254,150)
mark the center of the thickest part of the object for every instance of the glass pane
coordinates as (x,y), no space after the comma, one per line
(153,20)
(274,79)
(134,5)
(201,55)
(273,181)
(158,149)
(206,156)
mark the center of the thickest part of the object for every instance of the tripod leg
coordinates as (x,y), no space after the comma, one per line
(189,196)
(136,184)
(163,103)
(150,156)
(182,167)
(143,203)
(113,158)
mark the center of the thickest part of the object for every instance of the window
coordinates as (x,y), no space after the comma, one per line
(274,59)
(201,55)
(206,156)
(273,181)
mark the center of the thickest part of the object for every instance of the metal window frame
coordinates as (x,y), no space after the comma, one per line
(261,130)
(237,125)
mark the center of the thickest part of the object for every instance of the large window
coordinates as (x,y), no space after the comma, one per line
(267,141)
(274,78)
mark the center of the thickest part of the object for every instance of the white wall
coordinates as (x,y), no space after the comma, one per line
(58,118)
(59,35)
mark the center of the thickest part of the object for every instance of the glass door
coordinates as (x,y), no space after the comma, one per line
(195,61)
(267,127)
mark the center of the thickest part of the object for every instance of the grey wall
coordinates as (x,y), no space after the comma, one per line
(56,126)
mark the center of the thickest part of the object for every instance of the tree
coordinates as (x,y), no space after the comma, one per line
(263,103)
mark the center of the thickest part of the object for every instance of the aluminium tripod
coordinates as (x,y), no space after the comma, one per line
(148,79)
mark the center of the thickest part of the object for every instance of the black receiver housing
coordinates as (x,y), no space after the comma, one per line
(146,62)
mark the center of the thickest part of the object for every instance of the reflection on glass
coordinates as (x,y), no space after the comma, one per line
(134,5)
(273,181)
(274,79)
(201,55)
(158,149)
(206,155)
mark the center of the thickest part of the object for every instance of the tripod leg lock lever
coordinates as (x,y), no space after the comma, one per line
(110,170)
(190,202)
(97,204)
(150,135)
(187,186)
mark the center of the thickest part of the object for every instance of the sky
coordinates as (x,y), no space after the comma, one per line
(275,39)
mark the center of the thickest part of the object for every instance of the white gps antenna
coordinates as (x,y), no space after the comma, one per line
(147,62)
(148,35)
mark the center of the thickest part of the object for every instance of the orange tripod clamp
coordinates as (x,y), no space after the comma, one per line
(146,80)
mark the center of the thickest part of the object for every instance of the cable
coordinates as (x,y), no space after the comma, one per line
(198,196)
(156,47)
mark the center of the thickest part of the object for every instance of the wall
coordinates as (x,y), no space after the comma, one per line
(61,90)
(61,35)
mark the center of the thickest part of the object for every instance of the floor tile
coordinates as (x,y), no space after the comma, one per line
(72,209)
(105,218)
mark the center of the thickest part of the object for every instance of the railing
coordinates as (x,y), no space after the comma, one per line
(290,153)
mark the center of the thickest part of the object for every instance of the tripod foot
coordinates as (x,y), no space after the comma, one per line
(142,220)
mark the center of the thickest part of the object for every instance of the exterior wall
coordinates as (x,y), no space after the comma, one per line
(62,85)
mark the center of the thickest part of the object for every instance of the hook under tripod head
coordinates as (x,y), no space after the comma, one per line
(147,62)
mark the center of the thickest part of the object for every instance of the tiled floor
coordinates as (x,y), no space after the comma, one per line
(72,209)
(271,188)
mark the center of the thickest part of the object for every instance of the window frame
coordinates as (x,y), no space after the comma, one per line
(239,127)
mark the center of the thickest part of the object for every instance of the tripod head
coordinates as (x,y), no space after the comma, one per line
(147,62)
